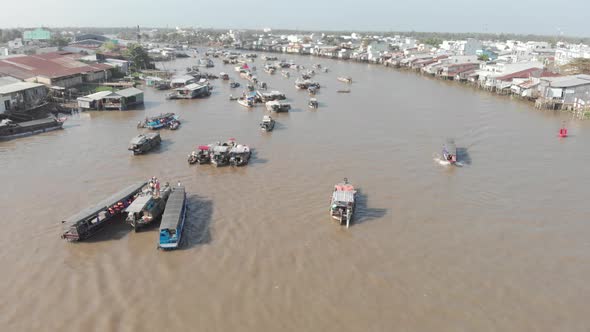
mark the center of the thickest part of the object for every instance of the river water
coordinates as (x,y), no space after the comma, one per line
(500,244)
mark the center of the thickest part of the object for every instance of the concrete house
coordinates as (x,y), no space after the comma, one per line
(21,96)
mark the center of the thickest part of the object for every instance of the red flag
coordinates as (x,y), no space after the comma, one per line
(245,66)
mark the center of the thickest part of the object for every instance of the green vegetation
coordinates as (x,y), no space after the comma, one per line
(138,56)
(483,57)
(434,41)
(58,41)
(7,35)
(103,88)
(110,46)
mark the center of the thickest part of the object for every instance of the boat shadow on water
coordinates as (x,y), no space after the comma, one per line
(254,159)
(363,212)
(198,222)
(463,156)
(115,229)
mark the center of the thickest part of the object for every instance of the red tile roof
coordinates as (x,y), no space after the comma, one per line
(51,65)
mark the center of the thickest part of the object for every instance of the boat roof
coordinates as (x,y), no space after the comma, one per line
(104,204)
(193,86)
(240,149)
(266,118)
(173,210)
(221,148)
(139,203)
(343,196)
(36,122)
(203,147)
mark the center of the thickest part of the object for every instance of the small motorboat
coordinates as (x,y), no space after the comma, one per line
(345,79)
(344,91)
(313,103)
(449,151)
(267,123)
(312,90)
(224,76)
(232,98)
(563,131)
(234,85)
(174,125)
(343,203)
(246,102)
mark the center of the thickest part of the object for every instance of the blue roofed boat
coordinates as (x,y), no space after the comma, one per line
(173,219)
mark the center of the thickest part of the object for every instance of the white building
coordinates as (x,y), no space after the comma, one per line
(566,53)
(15,44)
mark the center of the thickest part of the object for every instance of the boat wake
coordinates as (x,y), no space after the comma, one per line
(443,162)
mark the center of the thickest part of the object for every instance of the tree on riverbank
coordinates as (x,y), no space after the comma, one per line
(138,57)
(577,66)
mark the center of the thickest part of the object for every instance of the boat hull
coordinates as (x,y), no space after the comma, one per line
(32,132)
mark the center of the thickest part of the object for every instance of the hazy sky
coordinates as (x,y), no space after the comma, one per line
(525,16)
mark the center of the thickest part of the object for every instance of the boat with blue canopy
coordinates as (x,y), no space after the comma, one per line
(173,219)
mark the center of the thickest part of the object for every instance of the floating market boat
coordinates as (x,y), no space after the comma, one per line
(343,203)
(234,85)
(220,155)
(267,123)
(239,155)
(277,106)
(246,102)
(269,96)
(224,76)
(159,121)
(10,129)
(201,156)
(345,79)
(89,221)
(313,103)
(449,151)
(173,219)
(147,207)
(312,90)
(143,143)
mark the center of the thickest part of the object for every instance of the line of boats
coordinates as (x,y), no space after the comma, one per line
(140,205)
(219,154)
(144,204)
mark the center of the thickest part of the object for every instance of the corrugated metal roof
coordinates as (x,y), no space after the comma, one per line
(173,211)
(343,196)
(19,86)
(129,92)
(52,65)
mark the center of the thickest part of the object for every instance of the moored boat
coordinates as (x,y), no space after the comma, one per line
(158,121)
(201,156)
(224,76)
(234,85)
(220,155)
(267,123)
(239,155)
(89,221)
(246,102)
(173,219)
(343,203)
(147,207)
(449,151)
(10,130)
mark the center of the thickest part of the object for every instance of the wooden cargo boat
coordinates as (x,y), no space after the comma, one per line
(239,155)
(343,203)
(10,130)
(276,106)
(201,156)
(143,143)
(267,123)
(147,207)
(173,220)
(87,222)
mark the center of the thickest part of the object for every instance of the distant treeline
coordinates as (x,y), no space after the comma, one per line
(428,37)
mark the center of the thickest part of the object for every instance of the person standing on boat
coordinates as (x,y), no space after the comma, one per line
(157,188)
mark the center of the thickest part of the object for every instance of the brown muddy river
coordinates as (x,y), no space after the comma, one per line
(500,244)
